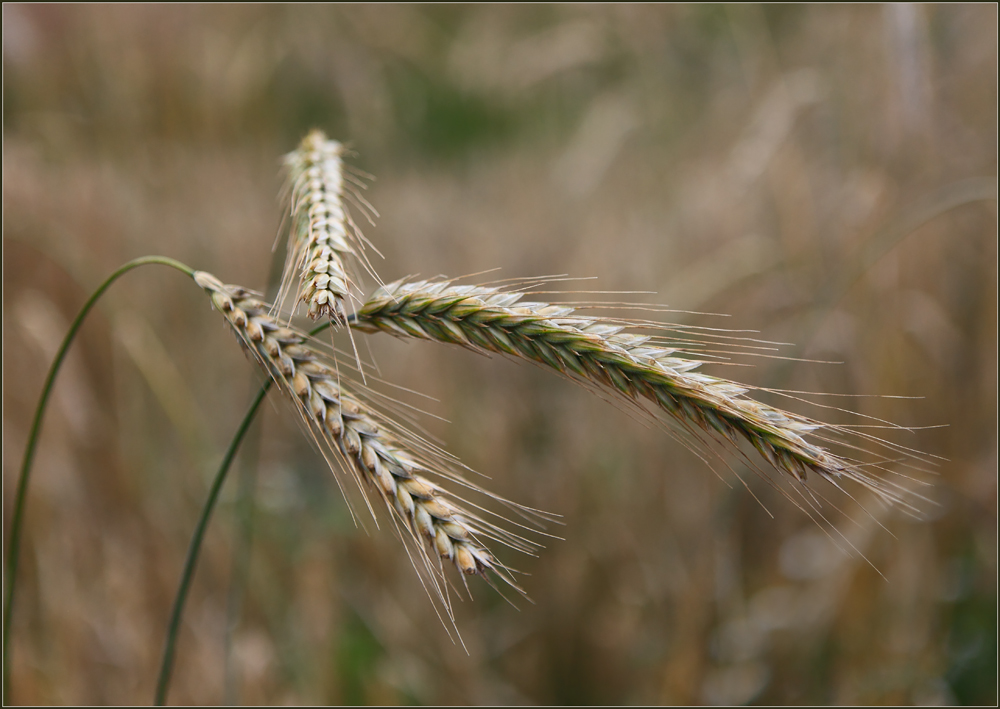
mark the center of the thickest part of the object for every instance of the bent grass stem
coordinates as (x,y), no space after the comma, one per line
(17,522)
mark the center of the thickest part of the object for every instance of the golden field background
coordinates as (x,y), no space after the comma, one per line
(825,175)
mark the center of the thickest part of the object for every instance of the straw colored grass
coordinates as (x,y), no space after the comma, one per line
(601,354)
(379,455)
(325,246)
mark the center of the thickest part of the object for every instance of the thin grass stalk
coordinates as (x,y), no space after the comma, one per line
(194,550)
(245,513)
(20,496)
(197,540)
(240,565)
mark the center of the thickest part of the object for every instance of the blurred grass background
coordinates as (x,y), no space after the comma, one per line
(824,174)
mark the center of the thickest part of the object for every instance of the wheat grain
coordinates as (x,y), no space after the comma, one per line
(388,459)
(325,244)
(596,350)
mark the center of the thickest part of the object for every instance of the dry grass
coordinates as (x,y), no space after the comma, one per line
(658,368)
(743,160)
(381,456)
(325,246)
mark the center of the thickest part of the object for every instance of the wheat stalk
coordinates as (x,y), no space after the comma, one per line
(325,244)
(598,351)
(388,459)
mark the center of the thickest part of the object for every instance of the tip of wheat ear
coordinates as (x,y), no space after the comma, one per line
(598,351)
(324,243)
(364,445)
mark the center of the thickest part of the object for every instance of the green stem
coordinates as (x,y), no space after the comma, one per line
(14,548)
(245,504)
(240,564)
(194,549)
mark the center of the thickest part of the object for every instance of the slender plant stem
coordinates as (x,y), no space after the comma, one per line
(194,549)
(241,555)
(14,548)
(245,505)
(173,627)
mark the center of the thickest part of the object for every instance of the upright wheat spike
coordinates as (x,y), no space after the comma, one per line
(595,350)
(388,459)
(325,245)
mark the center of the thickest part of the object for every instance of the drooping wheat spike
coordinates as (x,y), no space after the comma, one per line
(325,247)
(385,458)
(597,351)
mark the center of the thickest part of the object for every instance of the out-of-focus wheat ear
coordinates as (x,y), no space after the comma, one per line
(326,249)
(598,352)
(378,454)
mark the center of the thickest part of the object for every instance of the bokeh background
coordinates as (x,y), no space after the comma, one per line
(825,175)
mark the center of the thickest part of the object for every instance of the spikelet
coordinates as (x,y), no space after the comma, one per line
(325,245)
(381,456)
(598,351)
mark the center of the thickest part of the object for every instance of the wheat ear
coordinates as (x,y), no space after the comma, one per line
(325,245)
(596,350)
(388,459)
